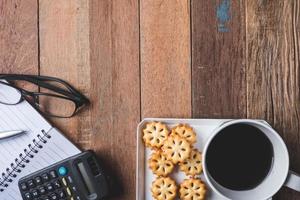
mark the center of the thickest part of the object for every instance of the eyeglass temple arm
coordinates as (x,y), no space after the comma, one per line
(38,80)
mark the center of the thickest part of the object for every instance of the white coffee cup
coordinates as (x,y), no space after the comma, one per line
(278,176)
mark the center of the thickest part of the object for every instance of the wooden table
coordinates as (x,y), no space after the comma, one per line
(160,58)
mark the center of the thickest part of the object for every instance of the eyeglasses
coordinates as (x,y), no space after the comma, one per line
(55,97)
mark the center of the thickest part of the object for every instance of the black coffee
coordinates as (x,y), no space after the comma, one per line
(239,157)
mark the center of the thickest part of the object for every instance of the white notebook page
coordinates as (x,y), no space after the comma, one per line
(24,117)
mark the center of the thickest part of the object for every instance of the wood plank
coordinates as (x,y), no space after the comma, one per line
(95,46)
(218,59)
(165,58)
(273,72)
(18,37)
(64,53)
(114,30)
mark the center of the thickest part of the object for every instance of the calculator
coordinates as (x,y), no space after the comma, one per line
(79,177)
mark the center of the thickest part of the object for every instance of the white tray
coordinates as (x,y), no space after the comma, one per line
(144,176)
(203,128)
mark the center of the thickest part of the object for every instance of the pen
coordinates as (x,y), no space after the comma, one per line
(8,134)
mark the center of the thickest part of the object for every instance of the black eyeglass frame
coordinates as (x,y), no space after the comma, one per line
(71,94)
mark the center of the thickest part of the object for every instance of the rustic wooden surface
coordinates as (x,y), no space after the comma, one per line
(165,58)
(218,60)
(19,37)
(153,58)
(95,46)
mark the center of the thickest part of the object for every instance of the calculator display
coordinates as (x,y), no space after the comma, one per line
(86,179)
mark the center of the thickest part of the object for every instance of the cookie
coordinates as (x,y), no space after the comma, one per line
(155,134)
(193,165)
(164,189)
(159,164)
(176,149)
(185,131)
(192,189)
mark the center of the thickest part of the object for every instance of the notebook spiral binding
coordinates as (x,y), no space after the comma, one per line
(24,158)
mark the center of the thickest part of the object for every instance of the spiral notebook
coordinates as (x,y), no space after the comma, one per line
(40,147)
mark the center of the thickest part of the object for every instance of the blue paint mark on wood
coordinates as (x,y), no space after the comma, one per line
(223,15)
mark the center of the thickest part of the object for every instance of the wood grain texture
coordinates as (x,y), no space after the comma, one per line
(165,58)
(95,46)
(273,72)
(114,42)
(64,53)
(218,59)
(18,37)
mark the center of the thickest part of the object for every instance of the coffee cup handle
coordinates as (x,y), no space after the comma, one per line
(293,181)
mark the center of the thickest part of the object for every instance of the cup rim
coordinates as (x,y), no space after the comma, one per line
(261,123)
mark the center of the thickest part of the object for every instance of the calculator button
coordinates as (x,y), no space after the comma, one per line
(27,196)
(64,181)
(30,184)
(45,198)
(49,187)
(74,189)
(38,180)
(69,191)
(24,186)
(42,190)
(53,196)
(45,177)
(35,193)
(57,184)
(61,194)
(53,174)
(70,179)
(62,171)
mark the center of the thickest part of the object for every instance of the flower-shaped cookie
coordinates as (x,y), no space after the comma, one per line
(185,131)
(164,189)
(192,189)
(159,164)
(193,165)
(155,134)
(176,149)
